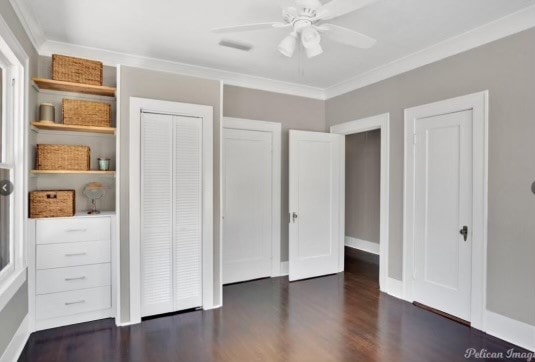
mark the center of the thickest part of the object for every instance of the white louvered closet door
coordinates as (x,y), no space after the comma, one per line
(156,214)
(171,240)
(188,212)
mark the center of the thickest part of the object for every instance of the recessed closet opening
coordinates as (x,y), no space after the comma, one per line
(363,195)
(171,185)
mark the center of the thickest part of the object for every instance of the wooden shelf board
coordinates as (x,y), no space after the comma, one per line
(69,172)
(61,86)
(72,128)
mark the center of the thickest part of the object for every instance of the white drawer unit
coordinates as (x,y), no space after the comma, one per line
(73,278)
(71,230)
(67,303)
(71,272)
(72,254)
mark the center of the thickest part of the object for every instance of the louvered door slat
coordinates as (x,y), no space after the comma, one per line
(157,211)
(188,212)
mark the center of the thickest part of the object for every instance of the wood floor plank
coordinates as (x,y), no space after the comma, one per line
(340,317)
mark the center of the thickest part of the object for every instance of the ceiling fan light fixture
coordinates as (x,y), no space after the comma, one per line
(314,51)
(287,45)
(311,38)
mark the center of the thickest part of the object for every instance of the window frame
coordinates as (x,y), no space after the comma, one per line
(15,62)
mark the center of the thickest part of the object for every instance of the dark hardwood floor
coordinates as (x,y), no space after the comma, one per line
(340,317)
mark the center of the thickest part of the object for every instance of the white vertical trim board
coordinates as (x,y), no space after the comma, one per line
(364,245)
(284,268)
(394,288)
(137,105)
(276,130)
(478,103)
(15,347)
(218,303)
(381,122)
(116,261)
(510,330)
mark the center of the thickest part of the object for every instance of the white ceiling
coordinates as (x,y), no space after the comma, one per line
(180,31)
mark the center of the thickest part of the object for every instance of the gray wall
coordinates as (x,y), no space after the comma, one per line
(506,68)
(292,112)
(363,185)
(136,82)
(17,308)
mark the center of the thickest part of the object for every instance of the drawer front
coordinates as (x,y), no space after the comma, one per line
(73,230)
(72,254)
(68,303)
(73,278)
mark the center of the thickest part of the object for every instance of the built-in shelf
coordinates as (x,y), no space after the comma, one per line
(71,128)
(72,172)
(61,86)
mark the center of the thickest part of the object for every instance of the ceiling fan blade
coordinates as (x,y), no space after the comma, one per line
(346,36)
(248,27)
(337,8)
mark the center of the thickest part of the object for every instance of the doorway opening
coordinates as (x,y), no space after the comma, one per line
(366,179)
(362,194)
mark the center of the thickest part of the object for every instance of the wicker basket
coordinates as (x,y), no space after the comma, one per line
(76,70)
(60,203)
(84,113)
(61,157)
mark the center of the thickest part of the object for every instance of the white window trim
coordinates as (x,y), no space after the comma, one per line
(18,60)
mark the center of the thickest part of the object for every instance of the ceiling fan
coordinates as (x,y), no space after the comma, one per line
(305,19)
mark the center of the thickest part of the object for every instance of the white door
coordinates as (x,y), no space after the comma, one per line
(316,204)
(171,213)
(248,210)
(442,209)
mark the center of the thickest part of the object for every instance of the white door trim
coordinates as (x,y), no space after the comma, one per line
(382,122)
(175,108)
(478,103)
(275,129)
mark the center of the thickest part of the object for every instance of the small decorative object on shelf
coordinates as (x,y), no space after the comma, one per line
(94,191)
(56,203)
(103,164)
(47,113)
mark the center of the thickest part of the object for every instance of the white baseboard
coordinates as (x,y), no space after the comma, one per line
(510,330)
(285,268)
(394,288)
(15,347)
(363,245)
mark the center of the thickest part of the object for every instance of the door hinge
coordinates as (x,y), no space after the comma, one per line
(13,82)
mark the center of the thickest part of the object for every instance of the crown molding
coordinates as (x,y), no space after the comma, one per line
(113,58)
(497,29)
(29,22)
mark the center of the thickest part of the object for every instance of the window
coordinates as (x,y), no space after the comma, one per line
(12,128)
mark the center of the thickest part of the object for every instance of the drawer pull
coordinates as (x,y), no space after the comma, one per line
(76,254)
(77,302)
(76,230)
(77,278)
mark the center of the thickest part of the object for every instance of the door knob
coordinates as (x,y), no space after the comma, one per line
(294,216)
(464,232)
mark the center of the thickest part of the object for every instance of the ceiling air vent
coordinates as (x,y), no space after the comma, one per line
(235,45)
